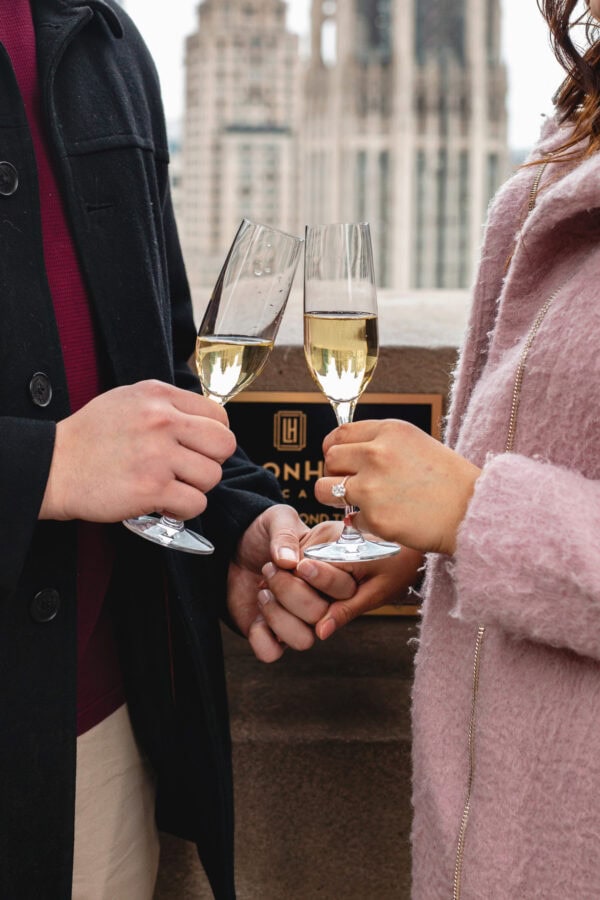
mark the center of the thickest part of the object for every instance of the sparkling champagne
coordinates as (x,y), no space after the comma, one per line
(228,363)
(341,352)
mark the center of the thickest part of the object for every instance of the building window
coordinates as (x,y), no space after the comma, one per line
(420,187)
(442,213)
(463,220)
(361,185)
(493,171)
(492,30)
(374,39)
(440,31)
(384,208)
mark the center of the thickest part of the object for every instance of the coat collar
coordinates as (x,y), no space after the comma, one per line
(570,192)
(57,22)
(55,12)
(572,201)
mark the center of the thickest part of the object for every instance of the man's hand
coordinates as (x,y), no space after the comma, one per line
(142,448)
(267,600)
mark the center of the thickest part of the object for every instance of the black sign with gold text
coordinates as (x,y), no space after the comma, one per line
(284,433)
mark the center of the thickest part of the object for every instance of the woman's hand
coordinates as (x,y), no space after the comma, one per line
(409,487)
(379,583)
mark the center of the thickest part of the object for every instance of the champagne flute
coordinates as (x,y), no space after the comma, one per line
(341,346)
(234,341)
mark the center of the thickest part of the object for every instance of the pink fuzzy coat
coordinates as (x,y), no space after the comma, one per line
(527,567)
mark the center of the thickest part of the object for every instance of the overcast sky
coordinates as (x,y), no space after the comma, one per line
(533,72)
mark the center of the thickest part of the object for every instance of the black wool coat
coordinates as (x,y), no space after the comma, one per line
(104,121)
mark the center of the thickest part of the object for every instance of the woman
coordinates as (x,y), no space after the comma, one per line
(507,689)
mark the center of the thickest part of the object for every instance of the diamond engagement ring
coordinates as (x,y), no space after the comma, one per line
(339,490)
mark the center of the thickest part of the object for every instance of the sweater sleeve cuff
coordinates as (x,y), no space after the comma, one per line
(528,556)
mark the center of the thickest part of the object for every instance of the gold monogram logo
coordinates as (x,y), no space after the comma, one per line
(289,430)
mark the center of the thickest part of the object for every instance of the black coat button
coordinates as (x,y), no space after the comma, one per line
(45,605)
(9,179)
(40,389)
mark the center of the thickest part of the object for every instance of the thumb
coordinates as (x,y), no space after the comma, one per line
(339,614)
(367,597)
(286,529)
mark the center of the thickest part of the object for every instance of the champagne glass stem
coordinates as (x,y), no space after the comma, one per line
(172,524)
(344,413)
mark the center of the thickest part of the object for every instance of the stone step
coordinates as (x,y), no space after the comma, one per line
(322,771)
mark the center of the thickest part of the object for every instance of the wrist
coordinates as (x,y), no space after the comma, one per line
(467,482)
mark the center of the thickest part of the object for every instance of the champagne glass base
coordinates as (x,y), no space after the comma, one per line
(349,551)
(154,529)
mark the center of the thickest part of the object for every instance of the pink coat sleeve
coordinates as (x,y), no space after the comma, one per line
(528,554)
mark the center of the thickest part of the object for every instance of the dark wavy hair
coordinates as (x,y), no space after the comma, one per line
(578,98)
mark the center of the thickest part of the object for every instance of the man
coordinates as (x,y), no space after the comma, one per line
(101,419)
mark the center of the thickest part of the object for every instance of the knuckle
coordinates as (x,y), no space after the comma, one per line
(341,585)
(152,387)
(221,440)
(153,474)
(212,410)
(212,474)
(230,444)
(368,484)
(302,641)
(254,631)
(199,505)
(266,651)
(272,655)
(157,415)
(286,535)
(344,613)
(372,453)
(333,455)
(192,507)
(310,610)
(222,416)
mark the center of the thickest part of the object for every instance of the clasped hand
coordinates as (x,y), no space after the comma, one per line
(279,599)
(410,488)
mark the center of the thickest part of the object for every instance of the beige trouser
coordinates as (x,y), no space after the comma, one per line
(116,841)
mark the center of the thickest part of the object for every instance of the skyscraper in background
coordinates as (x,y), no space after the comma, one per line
(241,130)
(397,117)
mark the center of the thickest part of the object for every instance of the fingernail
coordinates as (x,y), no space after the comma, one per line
(258,620)
(265,597)
(327,628)
(287,553)
(269,570)
(307,569)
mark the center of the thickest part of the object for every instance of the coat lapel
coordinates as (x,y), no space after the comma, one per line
(110,186)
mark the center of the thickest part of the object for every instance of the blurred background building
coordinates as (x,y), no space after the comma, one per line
(397,116)
(242,127)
